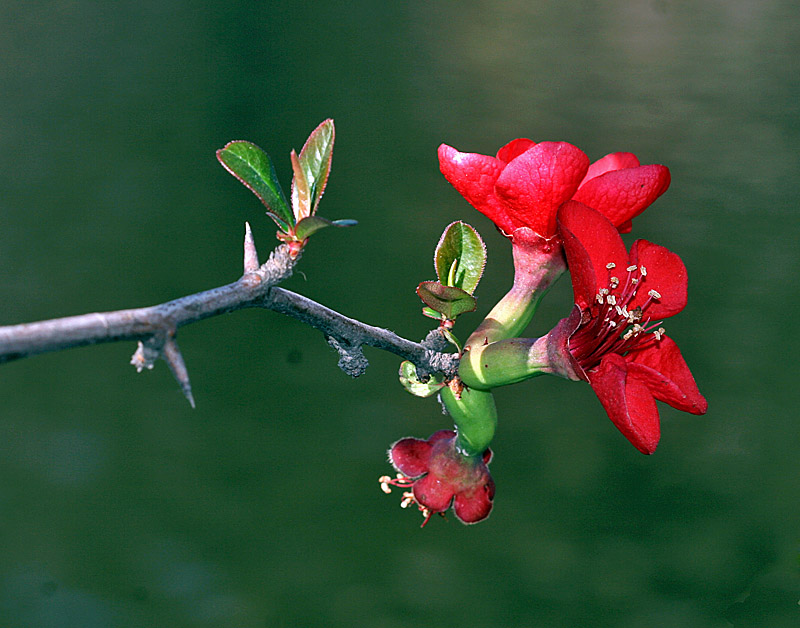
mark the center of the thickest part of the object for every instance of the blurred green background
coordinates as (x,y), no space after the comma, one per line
(120,506)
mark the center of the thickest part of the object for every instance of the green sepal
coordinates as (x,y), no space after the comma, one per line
(253,167)
(315,162)
(447,300)
(460,257)
(312,224)
(412,383)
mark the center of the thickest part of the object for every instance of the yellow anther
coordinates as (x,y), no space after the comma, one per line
(630,269)
(611,299)
(610,265)
(643,271)
(654,294)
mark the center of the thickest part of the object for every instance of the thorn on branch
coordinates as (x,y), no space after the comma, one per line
(250,254)
(351,358)
(155,347)
(172,356)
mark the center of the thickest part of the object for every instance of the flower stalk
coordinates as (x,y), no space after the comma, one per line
(516,359)
(475,417)
(538,263)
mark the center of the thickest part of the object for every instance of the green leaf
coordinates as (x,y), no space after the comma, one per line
(451,338)
(448,300)
(312,224)
(460,257)
(412,383)
(253,167)
(315,160)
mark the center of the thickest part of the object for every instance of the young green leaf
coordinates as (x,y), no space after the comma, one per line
(301,200)
(315,160)
(412,383)
(447,300)
(312,224)
(431,313)
(253,167)
(460,257)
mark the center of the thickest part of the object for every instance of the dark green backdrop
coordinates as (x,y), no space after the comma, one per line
(122,507)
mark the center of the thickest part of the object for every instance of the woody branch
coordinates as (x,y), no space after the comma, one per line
(155,327)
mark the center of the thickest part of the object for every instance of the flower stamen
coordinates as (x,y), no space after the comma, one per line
(401,481)
(609,326)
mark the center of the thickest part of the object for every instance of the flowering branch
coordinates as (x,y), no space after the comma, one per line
(155,327)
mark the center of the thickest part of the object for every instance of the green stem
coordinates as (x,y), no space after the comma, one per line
(537,264)
(517,359)
(475,417)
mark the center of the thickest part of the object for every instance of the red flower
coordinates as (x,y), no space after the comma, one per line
(527,182)
(439,475)
(615,343)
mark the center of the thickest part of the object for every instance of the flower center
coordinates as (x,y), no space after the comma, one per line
(611,327)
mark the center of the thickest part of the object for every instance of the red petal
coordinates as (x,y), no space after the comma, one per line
(629,403)
(613,161)
(433,493)
(474,176)
(624,194)
(440,435)
(534,184)
(590,243)
(475,506)
(666,274)
(514,149)
(410,456)
(662,368)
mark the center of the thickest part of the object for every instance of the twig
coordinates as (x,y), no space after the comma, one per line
(155,327)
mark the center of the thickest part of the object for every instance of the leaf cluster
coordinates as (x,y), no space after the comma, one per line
(253,167)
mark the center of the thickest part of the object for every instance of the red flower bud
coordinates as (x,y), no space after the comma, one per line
(440,476)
